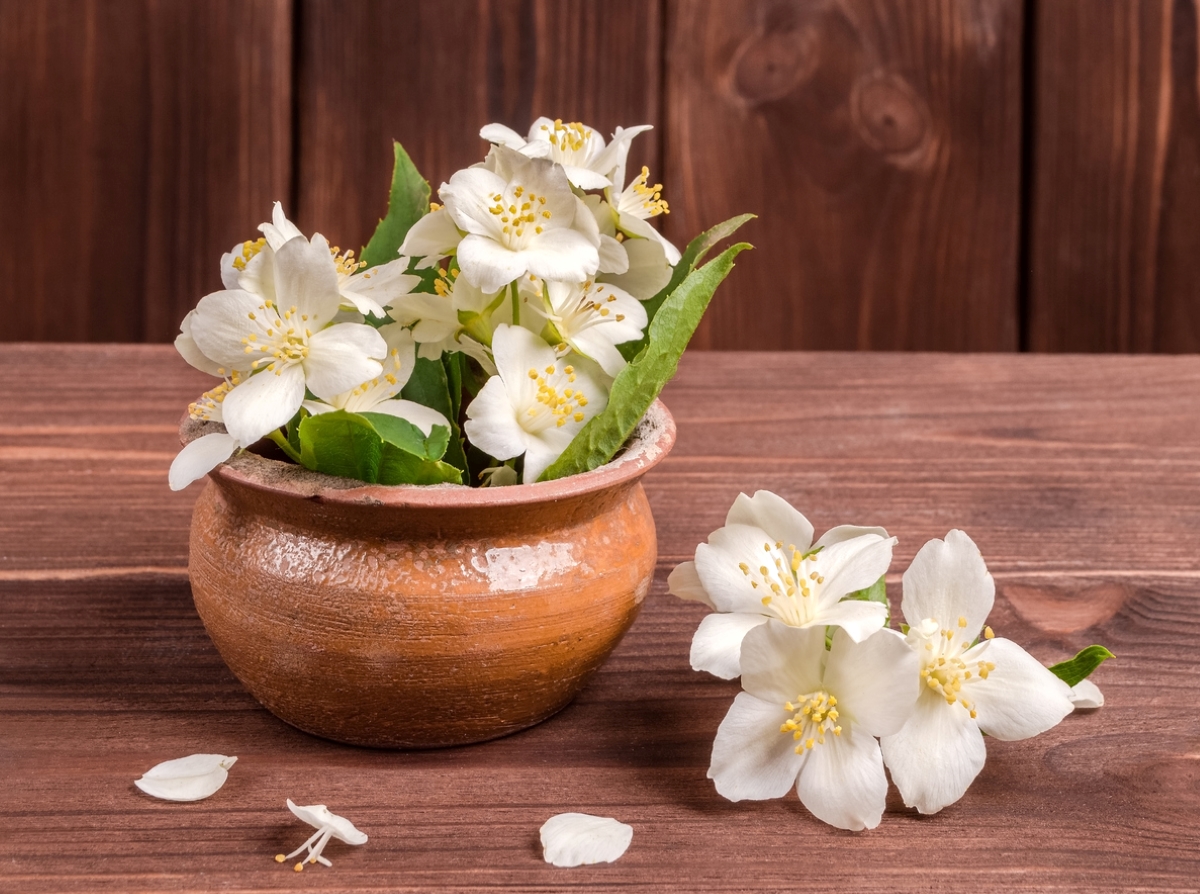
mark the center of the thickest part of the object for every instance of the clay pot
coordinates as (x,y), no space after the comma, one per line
(413,617)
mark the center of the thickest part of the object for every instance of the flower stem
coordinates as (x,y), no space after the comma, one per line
(281,439)
(516,304)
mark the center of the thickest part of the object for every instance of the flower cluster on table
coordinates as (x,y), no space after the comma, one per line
(831,695)
(471,341)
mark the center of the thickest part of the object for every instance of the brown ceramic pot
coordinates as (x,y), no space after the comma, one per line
(413,617)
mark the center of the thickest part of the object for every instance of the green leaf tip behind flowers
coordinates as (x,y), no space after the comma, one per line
(408,202)
(1075,670)
(640,382)
(375,448)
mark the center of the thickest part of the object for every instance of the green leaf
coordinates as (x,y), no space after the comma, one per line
(341,443)
(877,592)
(408,202)
(639,383)
(693,255)
(398,466)
(429,385)
(1075,670)
(404,435)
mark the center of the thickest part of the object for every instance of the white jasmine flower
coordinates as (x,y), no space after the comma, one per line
(527,222)
(763,564)
(637,203)
(191,778)
(328,825)
(579,839)
(287,339)
(993,686)
(535,403)
(378,395)
(808,718)
(581,151)
(648,272)
(593,318)
(1086,696)
(437,320)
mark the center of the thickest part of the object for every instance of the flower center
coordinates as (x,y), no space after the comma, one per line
(813,715)
(522,214)
(588,308)
(287,336)
(208,405)
(943,669)
(642,199)
(345,262)
(556,403)
(249,250)
(790,580)
(567,139)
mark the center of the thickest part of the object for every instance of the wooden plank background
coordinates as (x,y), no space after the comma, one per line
(945,175)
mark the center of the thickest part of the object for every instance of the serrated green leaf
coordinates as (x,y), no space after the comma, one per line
(1075,670)
(408,202)
(341,443)
(640,382)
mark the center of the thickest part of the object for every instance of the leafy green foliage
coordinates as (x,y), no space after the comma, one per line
(408,202)
(692,255)
(375,448)
(1079,668)
(639,383)
(432,386)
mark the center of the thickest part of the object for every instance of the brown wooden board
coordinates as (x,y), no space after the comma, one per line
(140,140)
(1116,178)
(1079,478)
(431,73)
(880,145)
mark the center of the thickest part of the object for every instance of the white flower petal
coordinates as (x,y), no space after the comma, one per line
(262,403)
(1086,696)
(505,136)
(191,778)
(614,259)
(857,617)
(491,423)
(188,349)
(306,278)
(565,255)
(648,272)
(280,230)
(423,417)
(432,237)
(221,322)
(578,839)
(847,532)
(717,563)
(854,565)
(876,681)
(544,450)
(343,357)
(488,265)
(781,662)
(751,758)
(717,644)
(319,817)
(200,457)
(1020,698)
(684,582)
(842,782)
(773,514)
(948,580)
(936,755)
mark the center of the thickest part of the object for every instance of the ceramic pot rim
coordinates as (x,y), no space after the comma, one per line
(650,443)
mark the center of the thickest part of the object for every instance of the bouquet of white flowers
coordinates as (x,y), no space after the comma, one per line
(516,332)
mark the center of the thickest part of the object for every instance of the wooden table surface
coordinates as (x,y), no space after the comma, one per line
(1079,478)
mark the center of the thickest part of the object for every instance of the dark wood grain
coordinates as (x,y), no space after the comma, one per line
(1116,178)
(1079,478)
(878,142)
(464,64)
(141,139)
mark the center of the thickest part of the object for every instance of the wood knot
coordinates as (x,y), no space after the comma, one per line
(769,66)
(890,116)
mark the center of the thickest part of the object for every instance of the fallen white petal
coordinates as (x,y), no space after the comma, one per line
(191,778)
(318,816)
(579,839)
(1086,696)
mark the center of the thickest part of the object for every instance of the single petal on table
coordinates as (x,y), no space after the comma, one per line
(936,755)
(200,457)
(1086,696)
(1020,698)
(842,782)
(751,759)
(191,778)
(319,817)
(579,839)
(717,644)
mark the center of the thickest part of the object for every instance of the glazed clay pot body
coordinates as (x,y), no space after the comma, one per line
(421,616)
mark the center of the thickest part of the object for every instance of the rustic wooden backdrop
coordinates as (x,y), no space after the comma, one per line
(949,174)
